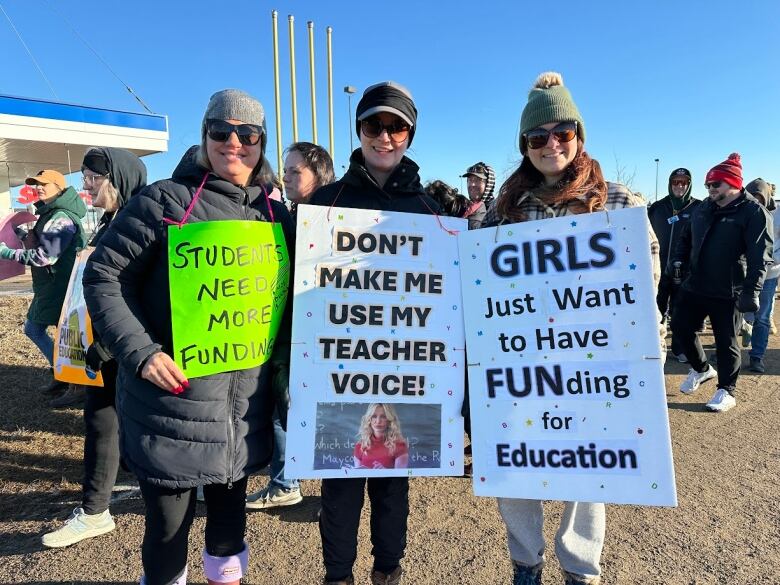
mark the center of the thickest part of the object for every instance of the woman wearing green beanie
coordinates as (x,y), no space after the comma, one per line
(556,177)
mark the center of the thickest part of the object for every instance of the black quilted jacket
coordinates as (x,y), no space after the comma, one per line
(220,429)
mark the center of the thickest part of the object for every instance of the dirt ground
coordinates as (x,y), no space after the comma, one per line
(726,529)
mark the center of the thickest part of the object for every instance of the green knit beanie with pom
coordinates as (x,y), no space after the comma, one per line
(549,101)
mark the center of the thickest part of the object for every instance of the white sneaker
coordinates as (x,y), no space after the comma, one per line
(273,496)
(79,526)
(694,379)
(721,401)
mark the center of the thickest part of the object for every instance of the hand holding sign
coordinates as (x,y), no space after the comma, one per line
(162,371)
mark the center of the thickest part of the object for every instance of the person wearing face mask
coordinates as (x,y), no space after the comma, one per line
(557,178)
(669,216)
(380,177)
(725,251)
(480,182)
(111,176)
(50,252)
(177,433)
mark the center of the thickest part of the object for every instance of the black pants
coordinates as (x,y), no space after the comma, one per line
(342,500)
(169,515)
(667,293)
(725,319)
(101,442)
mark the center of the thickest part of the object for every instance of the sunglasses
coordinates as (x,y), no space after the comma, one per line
(563,132)
(680,183)
(220,131)
(713,185)
(372,127)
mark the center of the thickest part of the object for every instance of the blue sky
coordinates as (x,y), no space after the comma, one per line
(686,82)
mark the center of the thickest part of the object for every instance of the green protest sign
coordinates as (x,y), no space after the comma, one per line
(228,287)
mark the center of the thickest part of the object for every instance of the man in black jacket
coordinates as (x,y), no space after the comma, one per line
(669,217)
(726,249)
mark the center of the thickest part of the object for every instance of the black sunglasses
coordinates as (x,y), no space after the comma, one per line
(538,137)
(398,130)
(220,131)
(713,185)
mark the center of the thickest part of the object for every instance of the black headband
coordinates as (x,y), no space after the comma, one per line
(96,162)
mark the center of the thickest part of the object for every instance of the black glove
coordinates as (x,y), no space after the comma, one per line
(96,356)
(747,302)
(280,385)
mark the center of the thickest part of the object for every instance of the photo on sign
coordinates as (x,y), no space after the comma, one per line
(377,436)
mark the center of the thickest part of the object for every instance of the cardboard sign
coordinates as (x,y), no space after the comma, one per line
(11,268)
(74,331)
(377,364)
(228,288)
(565,370)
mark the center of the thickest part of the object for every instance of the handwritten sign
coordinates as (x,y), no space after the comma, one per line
(228,288)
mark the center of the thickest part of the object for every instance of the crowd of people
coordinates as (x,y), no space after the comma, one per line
(712,260)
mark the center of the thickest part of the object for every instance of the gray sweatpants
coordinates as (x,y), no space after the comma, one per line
(578,543)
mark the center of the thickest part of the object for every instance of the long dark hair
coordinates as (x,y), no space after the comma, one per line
(582,186)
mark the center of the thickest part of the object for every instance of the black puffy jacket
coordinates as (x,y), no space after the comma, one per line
(668,232)
(219,430)
(726,250)
(357,189)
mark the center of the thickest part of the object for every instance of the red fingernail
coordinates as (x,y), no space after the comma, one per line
(177,390)
(186,384)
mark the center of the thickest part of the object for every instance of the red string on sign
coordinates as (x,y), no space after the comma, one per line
(190,207)
(438,219)
(268,203)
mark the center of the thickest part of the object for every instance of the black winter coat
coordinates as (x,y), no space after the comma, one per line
(220,429)
(357,189)
(668,232)
(726,250)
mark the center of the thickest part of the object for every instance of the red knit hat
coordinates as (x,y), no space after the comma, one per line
(730,170)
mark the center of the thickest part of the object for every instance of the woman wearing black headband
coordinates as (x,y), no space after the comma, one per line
(381,177)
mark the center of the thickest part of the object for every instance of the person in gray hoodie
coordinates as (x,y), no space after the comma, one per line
(764,192)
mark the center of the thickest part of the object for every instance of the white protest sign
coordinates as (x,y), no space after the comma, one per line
(377,363)
(565,372)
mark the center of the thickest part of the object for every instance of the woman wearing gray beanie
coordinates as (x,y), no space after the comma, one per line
(177,434)
(556,177)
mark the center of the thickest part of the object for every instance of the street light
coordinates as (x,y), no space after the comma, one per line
(349,90)
(656,178)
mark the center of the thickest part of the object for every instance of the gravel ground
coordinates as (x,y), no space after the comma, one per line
(726,529)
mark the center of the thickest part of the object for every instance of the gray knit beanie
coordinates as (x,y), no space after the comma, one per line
(549,101)
(234,104)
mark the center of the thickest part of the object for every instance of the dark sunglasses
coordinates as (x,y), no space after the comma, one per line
(713,185)
(220,131)
(563,132)
(398,130)
(681,183)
